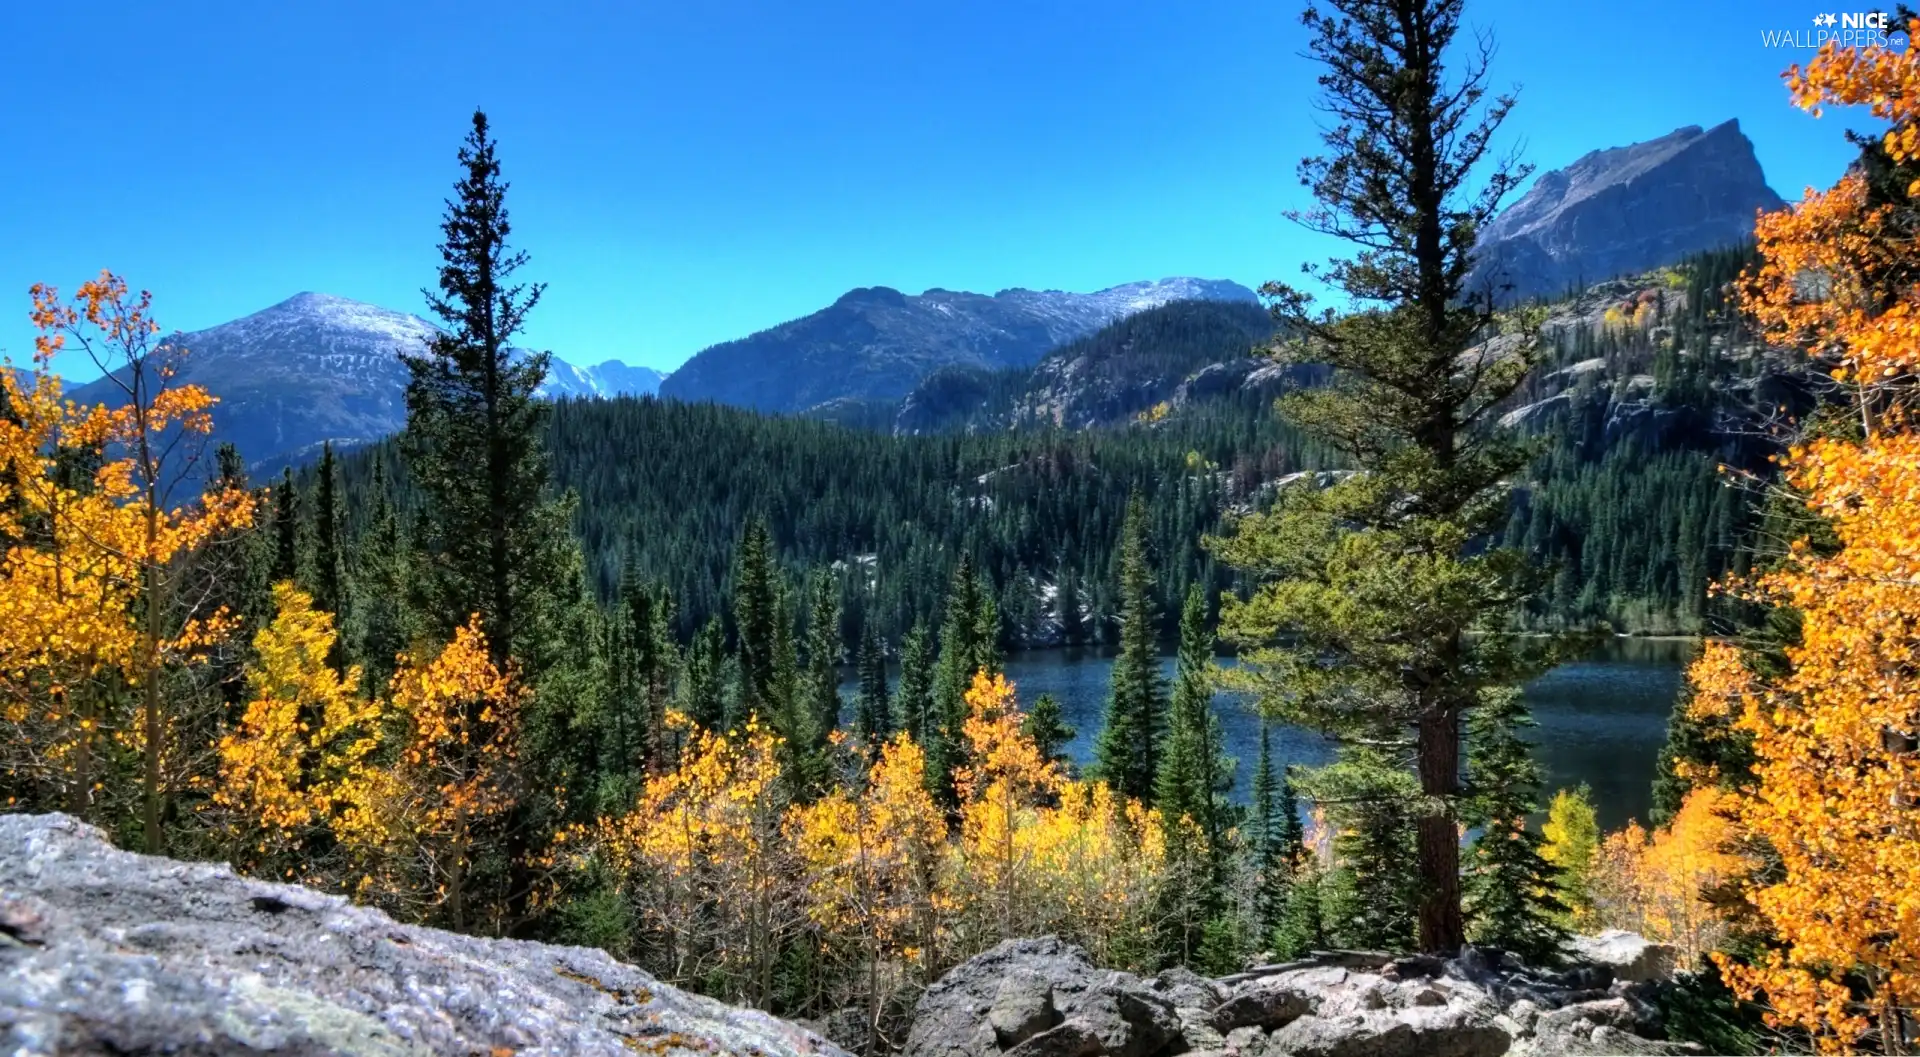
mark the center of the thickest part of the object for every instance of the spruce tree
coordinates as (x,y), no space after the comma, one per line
(286,529)
(1365,591)
(1510,888)
(960,655)
(1046,725)
(872,712)
(382,624)
(1272,837)
(822,684)
(1368,898)
(490,542)
(702,683)
(758,617)
(1194,771)
(475,429)
(913,698)
(1127,752)
(329,566)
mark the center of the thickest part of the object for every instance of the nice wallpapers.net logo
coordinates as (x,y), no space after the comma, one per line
(1846,29)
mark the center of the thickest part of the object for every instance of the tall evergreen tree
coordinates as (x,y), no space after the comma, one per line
(475,429)
(960,655)
(1367,590)
(758,618)
(913,698)
(872,711)
(1266,856)
(490,540)
(1127,752)
(1510,886)
(702,684)
(286,529)
(1194,770)
(329,565)
(823,662)
(383,624)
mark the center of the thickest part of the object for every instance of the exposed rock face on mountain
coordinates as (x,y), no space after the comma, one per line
(103,951)
(1045,998)
(1626,209)
(877,343)
(316,367)
(1106,378)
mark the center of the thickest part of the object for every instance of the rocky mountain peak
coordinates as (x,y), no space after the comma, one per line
(876,343)
(1627,209)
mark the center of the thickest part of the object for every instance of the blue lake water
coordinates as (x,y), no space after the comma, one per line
(1601,720)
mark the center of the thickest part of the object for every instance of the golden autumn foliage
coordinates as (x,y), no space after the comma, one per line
(701,861)
(1040,854)
(1836,780)
(90,618)
(300,762)
(1655,883)
(1571,842)
(453,780)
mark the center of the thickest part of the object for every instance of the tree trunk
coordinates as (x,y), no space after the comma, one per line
(1442,930)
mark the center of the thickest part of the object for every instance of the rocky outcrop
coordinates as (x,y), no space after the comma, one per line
(1627,209)
(104,951)
(1045,998)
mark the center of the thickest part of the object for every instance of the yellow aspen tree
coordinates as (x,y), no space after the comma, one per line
(300,760)
(92,568)
(1572,842)
(702,861)
(1001,787)
(453,783)
(1836,779)
(870,860)
(1656,883)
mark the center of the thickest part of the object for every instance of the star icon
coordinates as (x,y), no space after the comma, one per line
(1831,20)
(1819,20)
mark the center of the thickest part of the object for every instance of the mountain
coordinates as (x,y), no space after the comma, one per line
(1625,210)
(316,368)
(1106,378)
(876,343)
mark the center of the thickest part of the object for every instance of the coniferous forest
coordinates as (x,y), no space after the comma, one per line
(573,671)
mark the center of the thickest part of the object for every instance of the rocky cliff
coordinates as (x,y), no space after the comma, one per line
(107,952)
(1626,209)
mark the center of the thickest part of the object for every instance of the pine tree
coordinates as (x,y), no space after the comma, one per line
(1194,772)
(382,624)
(1510,887)
(286,530)
(1367,899)
(960,652)
(329,566)
(1269,855)
(474,437)
(1046,726)
(491,543)
(913,698)
(1127,752)
(1365,591)
(758,617)
(822,708)
(702,684)
(872,711)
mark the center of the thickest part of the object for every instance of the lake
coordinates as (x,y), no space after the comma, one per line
(1601,720)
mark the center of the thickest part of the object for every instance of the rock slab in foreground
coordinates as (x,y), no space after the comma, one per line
(105,951)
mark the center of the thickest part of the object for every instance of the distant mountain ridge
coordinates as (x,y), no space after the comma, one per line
(316,368)
(1624,210)
(876,343)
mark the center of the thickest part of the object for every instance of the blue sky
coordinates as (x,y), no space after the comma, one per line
(685,174)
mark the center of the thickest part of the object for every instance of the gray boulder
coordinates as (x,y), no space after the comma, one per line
(1096,1012)
(105,951)
(1628,955)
